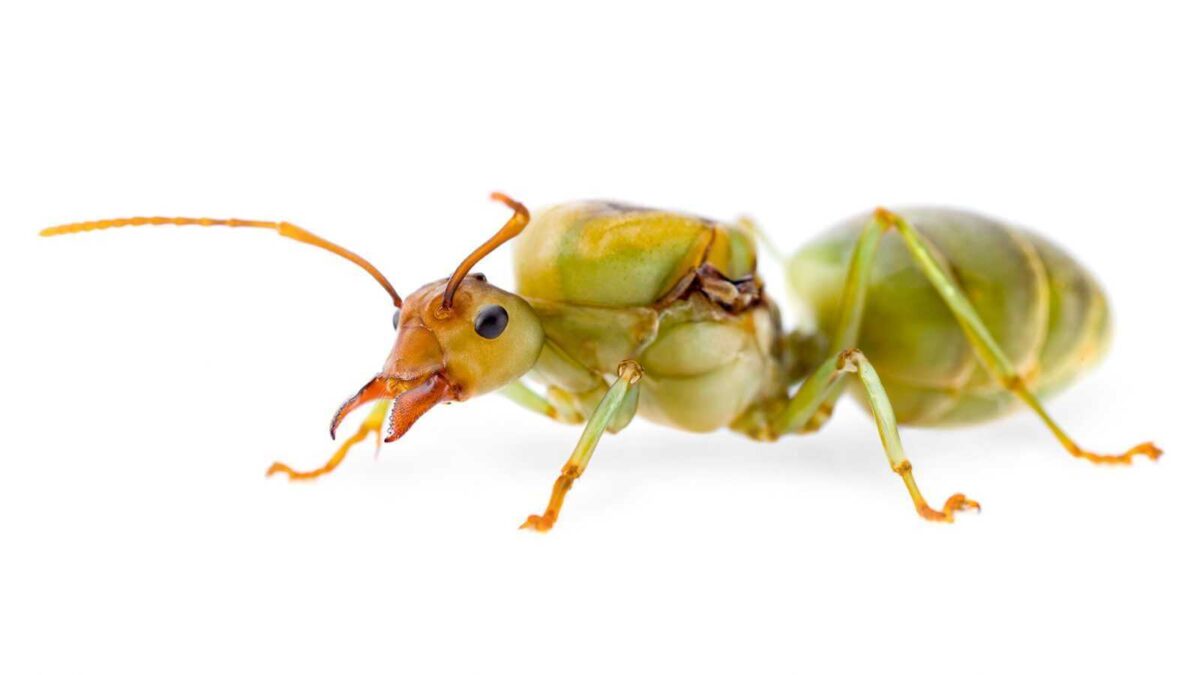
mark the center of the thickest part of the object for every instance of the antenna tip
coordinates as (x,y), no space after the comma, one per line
(509,201)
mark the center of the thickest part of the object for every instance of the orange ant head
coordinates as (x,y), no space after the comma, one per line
(456,338)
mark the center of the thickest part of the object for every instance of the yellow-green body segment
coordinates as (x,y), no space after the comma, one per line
(1047,312)
(601,276)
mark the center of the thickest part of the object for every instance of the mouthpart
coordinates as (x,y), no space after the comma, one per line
(410,400)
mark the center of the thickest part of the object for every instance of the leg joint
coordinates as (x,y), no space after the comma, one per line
(848,360)
(1014,383)
(886,218)
(630,371)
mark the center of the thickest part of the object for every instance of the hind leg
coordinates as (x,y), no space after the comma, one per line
(986,349)
(985,346)
(825,381)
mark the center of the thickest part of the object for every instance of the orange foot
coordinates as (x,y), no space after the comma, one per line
(958,502)
(292,474)
(544,522)
(541,523)
(1148,449)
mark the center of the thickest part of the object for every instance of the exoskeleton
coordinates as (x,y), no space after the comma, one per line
(934,316)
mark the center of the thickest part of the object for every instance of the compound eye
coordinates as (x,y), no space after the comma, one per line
(396,320)
(491,321)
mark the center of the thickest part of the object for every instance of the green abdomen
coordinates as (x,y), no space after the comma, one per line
(1046,311)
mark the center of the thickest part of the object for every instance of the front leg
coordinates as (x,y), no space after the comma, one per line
(373,424)
(520,393)
(619,395)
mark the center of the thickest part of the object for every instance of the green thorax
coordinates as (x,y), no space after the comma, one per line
(612,282)
(602,254)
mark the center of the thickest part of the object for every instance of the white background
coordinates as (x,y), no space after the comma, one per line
(149,377)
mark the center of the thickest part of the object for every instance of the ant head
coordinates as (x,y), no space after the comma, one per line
(456,338)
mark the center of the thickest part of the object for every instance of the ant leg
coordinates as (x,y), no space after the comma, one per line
(616,400)
(845,333)
(807,401)
(372,423)
(520,393)
(985,346)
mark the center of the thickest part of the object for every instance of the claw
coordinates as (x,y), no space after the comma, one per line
(541,523)
(544,522)
(294,475)
(1148,449)
(956,502)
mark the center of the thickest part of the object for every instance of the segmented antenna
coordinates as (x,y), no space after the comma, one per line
(284,229)
(518,221)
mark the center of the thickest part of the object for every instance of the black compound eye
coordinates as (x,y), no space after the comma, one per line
(396,320)
(491,321)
